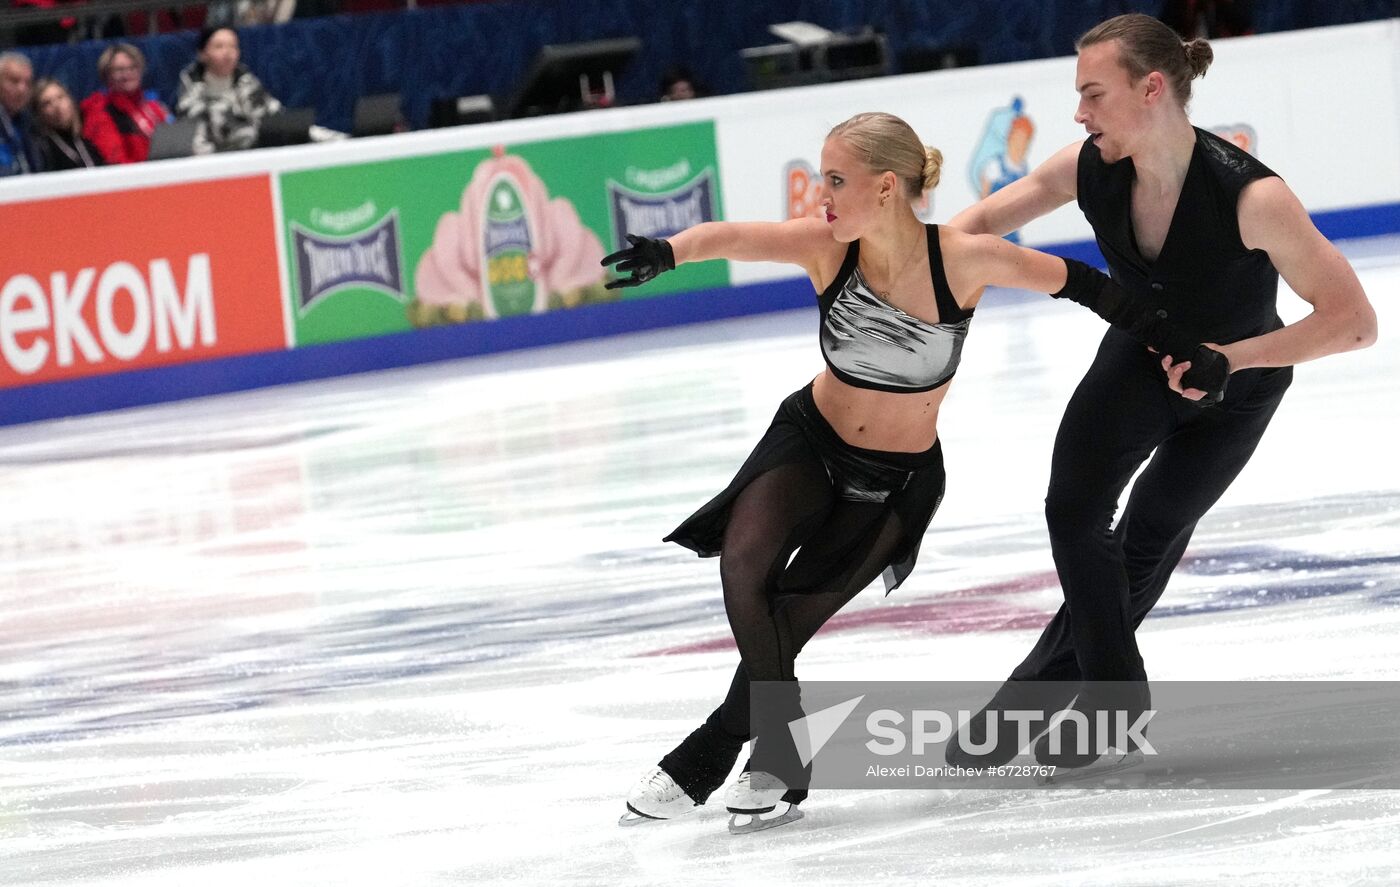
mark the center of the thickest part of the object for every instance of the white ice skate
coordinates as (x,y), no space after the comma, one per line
(755,803)
(656,797)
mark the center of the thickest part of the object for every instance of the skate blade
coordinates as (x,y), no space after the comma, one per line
(634,817)
(748,823)
(1102,767)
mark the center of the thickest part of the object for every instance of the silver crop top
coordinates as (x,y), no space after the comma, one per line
(869,343)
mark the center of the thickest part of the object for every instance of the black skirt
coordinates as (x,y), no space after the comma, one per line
(908,486)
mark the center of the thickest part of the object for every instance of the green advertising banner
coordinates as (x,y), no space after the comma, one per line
(471,236)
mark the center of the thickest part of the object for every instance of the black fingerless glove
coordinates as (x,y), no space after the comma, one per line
(1101,294)
(645,259)
(1210,372)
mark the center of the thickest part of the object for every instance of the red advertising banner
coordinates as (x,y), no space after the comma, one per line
(99,283)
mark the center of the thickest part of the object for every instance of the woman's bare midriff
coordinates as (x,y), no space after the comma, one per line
(879,420)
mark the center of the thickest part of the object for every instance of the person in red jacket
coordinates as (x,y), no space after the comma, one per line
(119,120)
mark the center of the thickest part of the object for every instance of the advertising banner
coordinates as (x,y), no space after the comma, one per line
(141,278)
(471,236)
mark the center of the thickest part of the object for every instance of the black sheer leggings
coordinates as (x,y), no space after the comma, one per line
(785,508)
(781,510)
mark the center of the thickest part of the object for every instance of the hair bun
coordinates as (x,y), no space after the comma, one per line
(1199,55)
(933,167)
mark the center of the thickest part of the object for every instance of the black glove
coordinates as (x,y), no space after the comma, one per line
(1210,372)
(645,258)
(1101,294)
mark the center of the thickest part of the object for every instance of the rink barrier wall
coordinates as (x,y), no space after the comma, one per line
(136,388)
(143,387)
(364,221)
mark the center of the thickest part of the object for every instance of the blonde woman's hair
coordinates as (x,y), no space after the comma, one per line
(885,142)
(1147,45)
(109,56)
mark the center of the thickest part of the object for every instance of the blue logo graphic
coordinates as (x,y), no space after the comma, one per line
(325,263)
(663,214)
(1003,153)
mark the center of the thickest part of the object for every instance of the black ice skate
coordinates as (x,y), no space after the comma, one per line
(971,748)
(1102,733)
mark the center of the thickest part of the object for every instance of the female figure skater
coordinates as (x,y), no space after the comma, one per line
(849,474)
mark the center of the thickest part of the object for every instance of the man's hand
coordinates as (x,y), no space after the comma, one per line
(1201,379)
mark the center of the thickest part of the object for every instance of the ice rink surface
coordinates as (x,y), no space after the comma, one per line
(418,627)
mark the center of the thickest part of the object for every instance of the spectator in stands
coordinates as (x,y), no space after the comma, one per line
(224,97)
(16,131)
(266,12)
(228,13)
(1208,18)
(678,84)
(119,119)
(58,130)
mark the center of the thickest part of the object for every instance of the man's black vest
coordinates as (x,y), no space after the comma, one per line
(1205,277)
